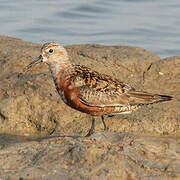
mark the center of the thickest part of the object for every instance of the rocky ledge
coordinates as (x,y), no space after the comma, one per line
(30,106)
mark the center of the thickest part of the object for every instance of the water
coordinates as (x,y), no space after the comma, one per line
(151,24)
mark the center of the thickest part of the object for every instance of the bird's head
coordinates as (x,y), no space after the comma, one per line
(53,54)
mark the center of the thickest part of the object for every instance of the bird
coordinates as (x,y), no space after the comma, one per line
(89,91)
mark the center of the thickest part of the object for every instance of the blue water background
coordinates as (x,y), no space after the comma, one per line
(150,24)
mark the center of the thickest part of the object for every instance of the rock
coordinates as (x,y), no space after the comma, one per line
(104,155)
(29,104)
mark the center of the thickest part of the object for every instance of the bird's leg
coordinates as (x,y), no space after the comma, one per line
(103,121)
(91,131)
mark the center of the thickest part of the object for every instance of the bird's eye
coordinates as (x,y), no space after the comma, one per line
(51,50)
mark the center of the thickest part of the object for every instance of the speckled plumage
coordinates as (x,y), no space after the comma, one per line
(89,91)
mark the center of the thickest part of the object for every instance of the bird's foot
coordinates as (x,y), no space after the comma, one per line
(106,128)
(91,131)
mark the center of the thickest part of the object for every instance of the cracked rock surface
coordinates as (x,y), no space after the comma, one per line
(104,155)
(30,106)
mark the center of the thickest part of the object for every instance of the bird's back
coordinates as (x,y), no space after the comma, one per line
(84,88)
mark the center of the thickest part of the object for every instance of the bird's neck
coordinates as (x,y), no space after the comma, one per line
(60,70)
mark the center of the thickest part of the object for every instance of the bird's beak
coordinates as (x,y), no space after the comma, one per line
(36,61)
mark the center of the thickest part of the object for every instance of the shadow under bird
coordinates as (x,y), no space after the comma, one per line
(89,91)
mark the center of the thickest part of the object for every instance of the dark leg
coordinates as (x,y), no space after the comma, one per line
(91,131)
(56,124)
(103,121)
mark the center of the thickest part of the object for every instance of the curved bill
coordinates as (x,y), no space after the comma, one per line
(38,60)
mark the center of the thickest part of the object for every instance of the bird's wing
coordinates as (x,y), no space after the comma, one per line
(95,89)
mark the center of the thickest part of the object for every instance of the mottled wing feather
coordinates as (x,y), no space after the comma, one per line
(102,99)
(97,89)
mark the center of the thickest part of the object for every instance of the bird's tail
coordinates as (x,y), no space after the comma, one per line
(143,98)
